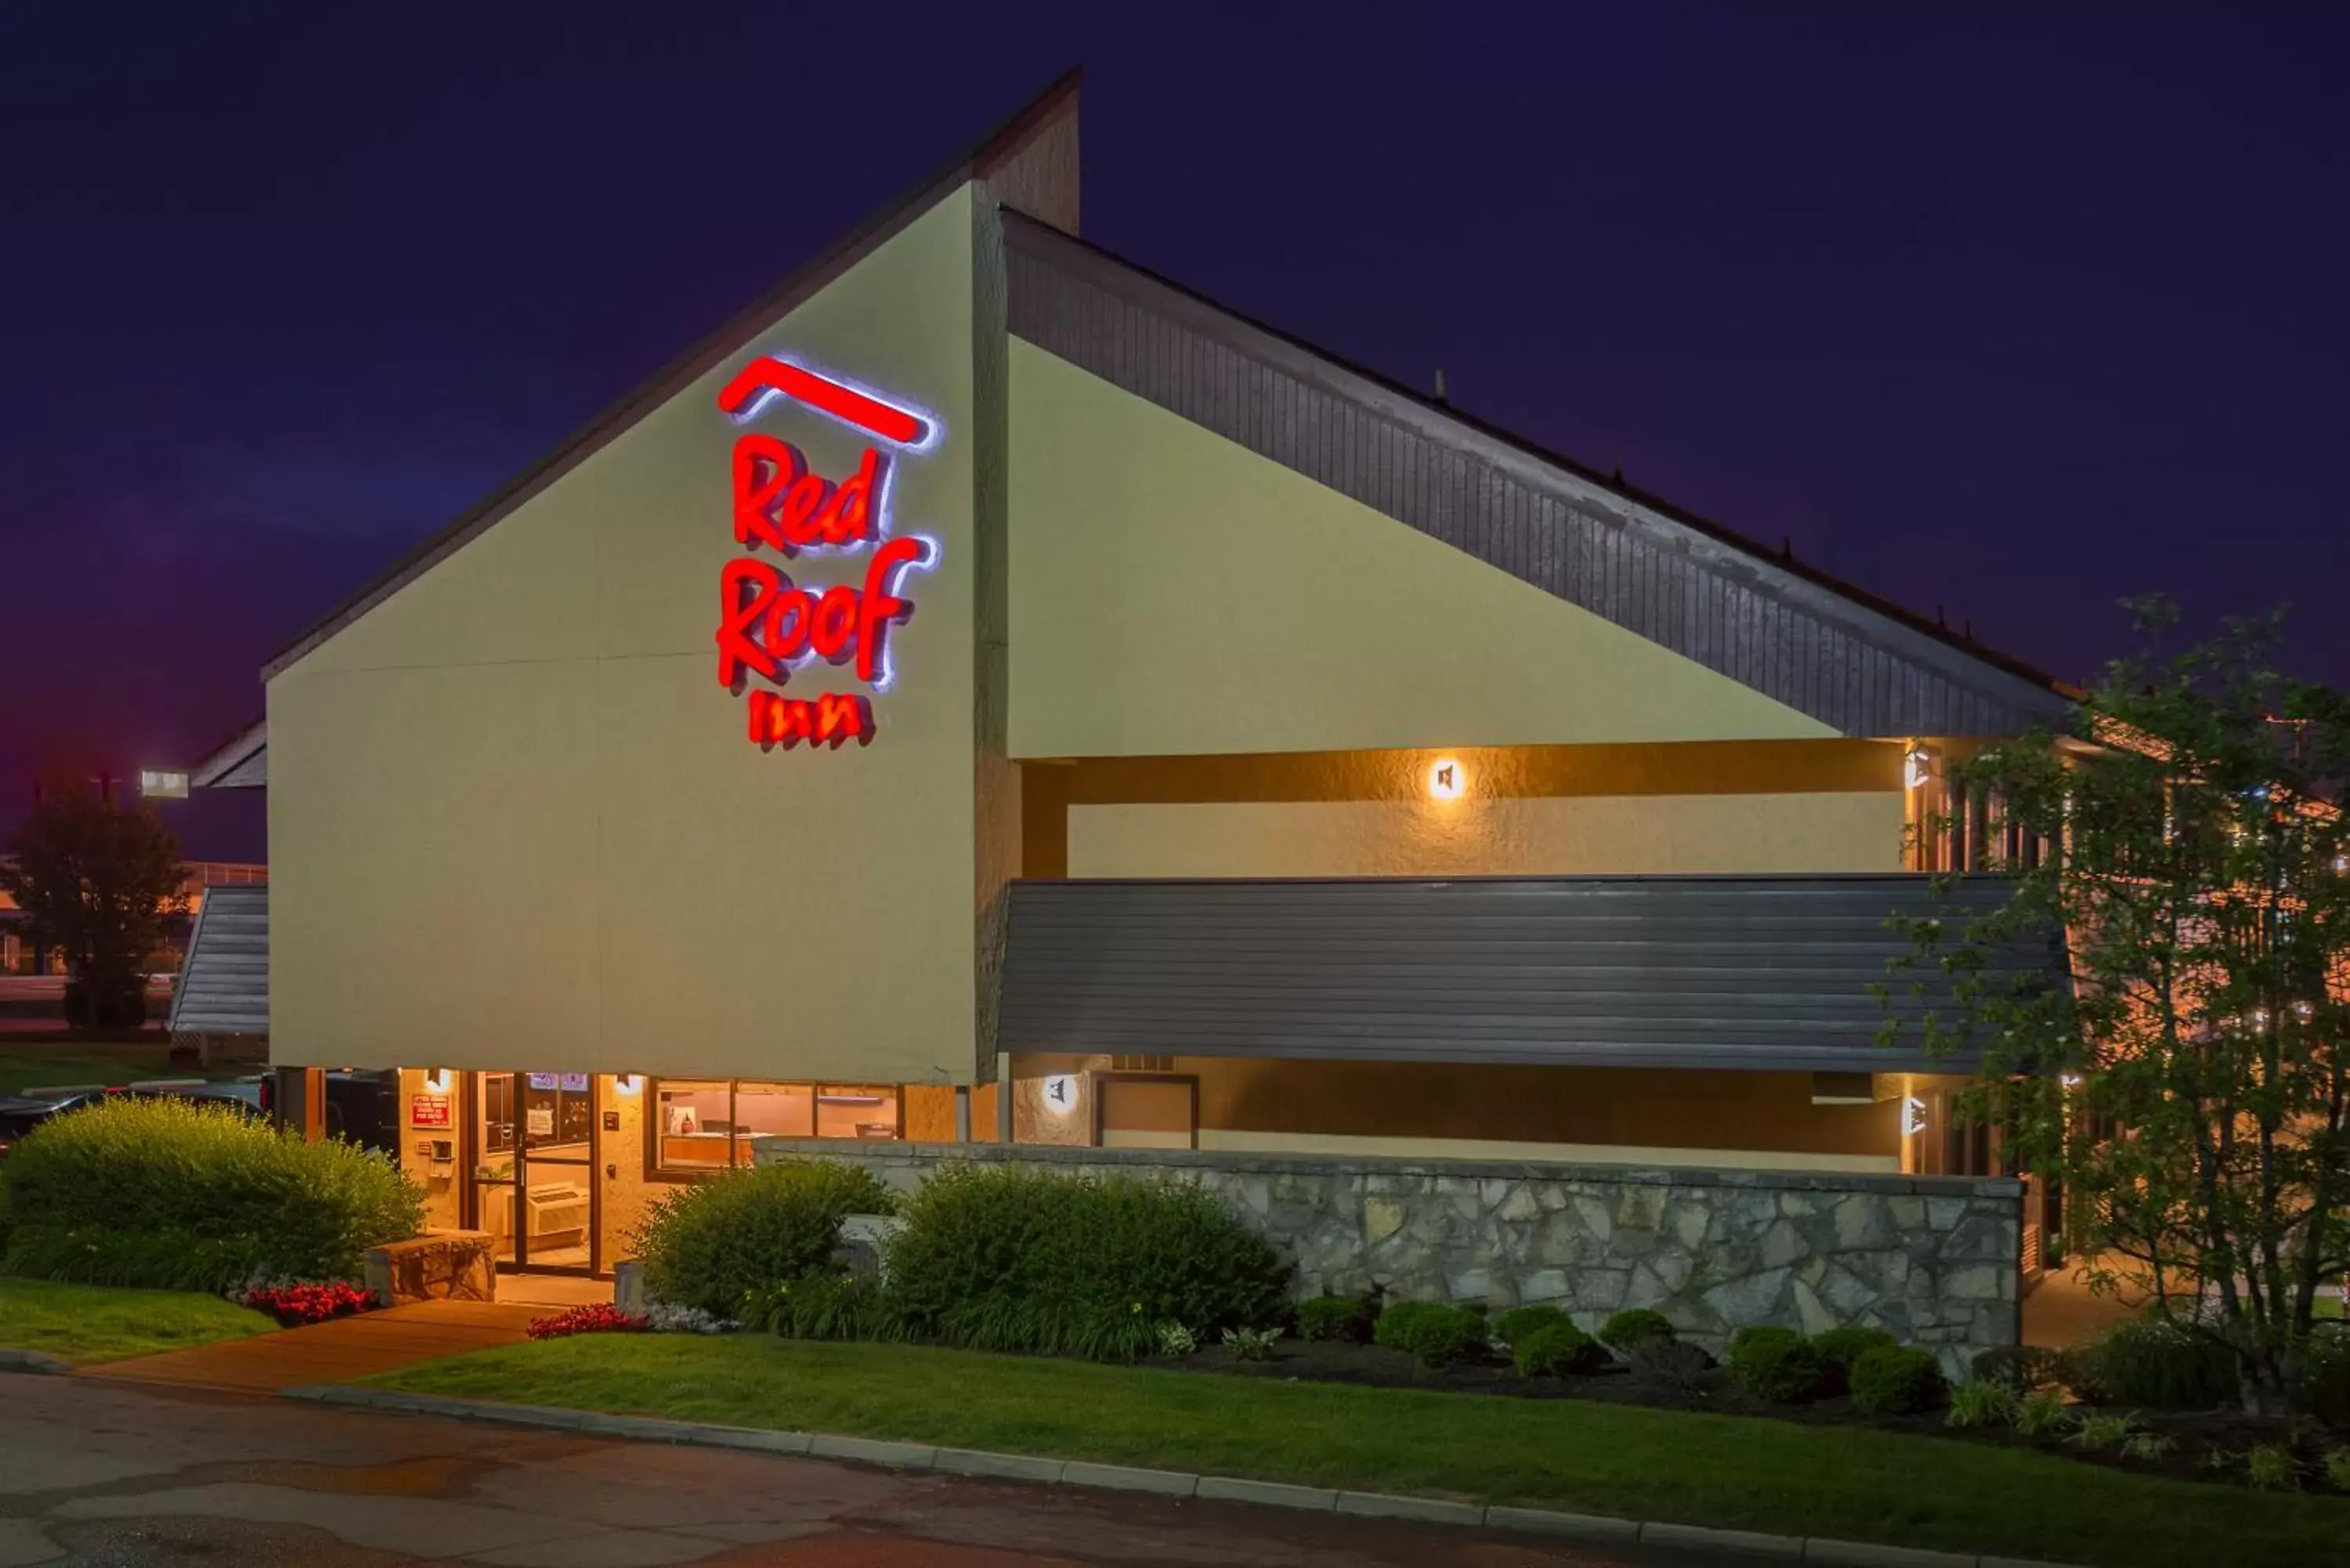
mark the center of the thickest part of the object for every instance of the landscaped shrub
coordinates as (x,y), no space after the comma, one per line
(2325,1375)
(2024,1367)
(2338,1469)
(821,1305)
(1520,1322)
(2271,1467)
(2160,1364)
(1007,1258)
(709,1245)
(1840,1347)
(1252,1344)
(1437,1334)
(598,1317)
(172,1195)
(296,1305)
(1981,1403)
(1776,1363)
(2042,1413)
(1627,1328)
(1896,1380)
(1333,1317)
(1555,1350)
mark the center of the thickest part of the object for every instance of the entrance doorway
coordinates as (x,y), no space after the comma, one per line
(533,1171)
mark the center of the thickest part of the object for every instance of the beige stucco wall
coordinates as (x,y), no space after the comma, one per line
(1575,836)
(1174,593)
(515,823)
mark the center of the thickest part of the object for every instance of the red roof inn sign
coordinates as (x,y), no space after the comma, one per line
(773,627)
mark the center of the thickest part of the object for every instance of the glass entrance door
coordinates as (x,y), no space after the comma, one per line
(558,1198)
(535,1168)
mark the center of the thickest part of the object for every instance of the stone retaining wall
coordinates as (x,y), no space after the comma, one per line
(1935,1260)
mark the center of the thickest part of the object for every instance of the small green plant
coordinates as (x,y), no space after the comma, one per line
(1979,1403)
(1633,1326)
(2149,1447)
(2042,1412)
(1252,1344)
(2338,1469)
(2161,1366)
(1175,1341)
(1776,1363)
(818,1306)
(1435,1334)
(2095,1434)
(2270,1467)
(2023,1367)
(1555,1350)
(1520,1322)
(1895,1380)
(2218,1461)
(1333,1317)
(1840,1347)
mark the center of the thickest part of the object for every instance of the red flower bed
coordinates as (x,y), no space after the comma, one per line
(601,1318)
(294,1306)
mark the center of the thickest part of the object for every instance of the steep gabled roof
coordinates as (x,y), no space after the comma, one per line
(1045,184)
(1857,663)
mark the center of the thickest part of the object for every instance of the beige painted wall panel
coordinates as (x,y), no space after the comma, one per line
(518,824)
(1577,835)
(1175,594)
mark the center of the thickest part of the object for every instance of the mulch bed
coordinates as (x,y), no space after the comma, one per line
(2195,1433)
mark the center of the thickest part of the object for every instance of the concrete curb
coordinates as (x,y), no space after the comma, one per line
(33,1361)
(1164,1483)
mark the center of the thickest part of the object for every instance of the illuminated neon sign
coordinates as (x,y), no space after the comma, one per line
(770,626)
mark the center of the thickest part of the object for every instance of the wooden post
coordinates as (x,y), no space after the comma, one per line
(313,1105)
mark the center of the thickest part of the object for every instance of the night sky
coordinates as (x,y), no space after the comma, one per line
(2009,312)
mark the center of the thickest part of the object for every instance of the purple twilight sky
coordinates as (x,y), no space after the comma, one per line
(2002,309)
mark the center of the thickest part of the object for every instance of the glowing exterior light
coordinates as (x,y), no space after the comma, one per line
(2072,1080)
(1446,779)
(437,1079)
(2304,1011)
(1916,767)
(163,784)
(627,1083)
(1913,1116)
(767,378)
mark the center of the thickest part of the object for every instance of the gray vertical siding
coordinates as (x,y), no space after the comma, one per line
(1756,972)
(223,985)
(1820,648)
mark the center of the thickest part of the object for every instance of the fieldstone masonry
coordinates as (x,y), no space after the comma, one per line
(1934,1260)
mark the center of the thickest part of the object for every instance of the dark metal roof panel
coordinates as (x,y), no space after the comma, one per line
(1753,973)
(1861,664)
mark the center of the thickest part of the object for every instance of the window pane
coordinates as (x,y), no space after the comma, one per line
(695,1124)
(857,1110)
(782,1110)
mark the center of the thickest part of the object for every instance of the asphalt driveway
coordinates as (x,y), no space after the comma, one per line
(104,1473)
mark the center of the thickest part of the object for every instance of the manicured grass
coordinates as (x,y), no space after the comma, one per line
(84,1324)
(1839,1482)
(24,1066)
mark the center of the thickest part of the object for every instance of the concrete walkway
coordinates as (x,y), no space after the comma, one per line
(343,1351)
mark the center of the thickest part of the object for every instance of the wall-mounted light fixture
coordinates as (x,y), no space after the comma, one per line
(163,784)
(1913,1116)
(1917,768)
(437,1079)
(1446,779)
(627,1083)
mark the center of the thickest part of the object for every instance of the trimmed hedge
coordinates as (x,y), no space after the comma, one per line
(1555,1349)
(1896,1380)
(2160,1366)
(1840,1347)
(713,1244)
(1437,1334)
(1522,1323)
(168,1194)
(1333,1317)
(1776,1363)
(1007,1258)
(1627,1328)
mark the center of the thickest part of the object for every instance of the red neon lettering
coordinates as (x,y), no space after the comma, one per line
(766,374)
(746,592)
(827,720)
(880,607)
(778,502)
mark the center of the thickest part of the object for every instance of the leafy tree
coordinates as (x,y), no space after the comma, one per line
(2190,1085)
(96,881)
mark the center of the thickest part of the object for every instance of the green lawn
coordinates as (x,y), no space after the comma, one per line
(90,1322)
(1839,1482)
(28,1066)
